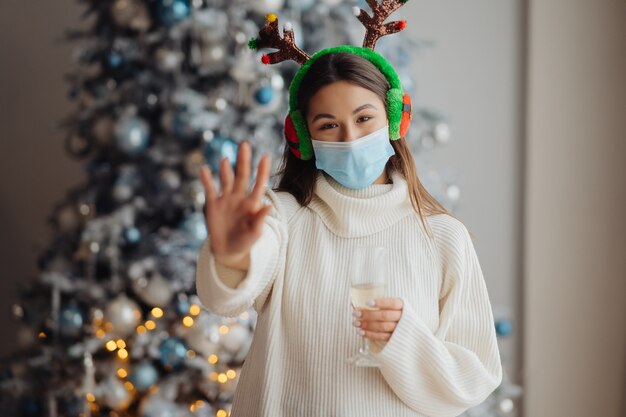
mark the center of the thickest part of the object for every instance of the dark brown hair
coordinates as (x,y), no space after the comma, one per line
(298,176)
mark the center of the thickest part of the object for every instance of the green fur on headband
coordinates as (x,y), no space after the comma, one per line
(394,104)
(374,57)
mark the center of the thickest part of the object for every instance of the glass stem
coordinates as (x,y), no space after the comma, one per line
(365,346)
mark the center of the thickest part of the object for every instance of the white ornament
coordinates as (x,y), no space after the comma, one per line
(236,337)
(124,314)
(157,291)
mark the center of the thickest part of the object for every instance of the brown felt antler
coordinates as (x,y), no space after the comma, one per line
(270,38)
(375,26)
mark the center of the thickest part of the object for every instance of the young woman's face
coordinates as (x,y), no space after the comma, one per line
(343,111)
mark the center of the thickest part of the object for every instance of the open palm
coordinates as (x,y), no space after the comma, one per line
(235,218)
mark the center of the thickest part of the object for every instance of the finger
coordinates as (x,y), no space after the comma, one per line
(381,315)
(261,179)
(226,175)
(379,326)
(391,303)
(377,335)
(207,181)
(259,217)
(243,168)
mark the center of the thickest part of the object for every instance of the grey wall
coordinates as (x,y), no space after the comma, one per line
(34,169)
(475,74)
(575,237)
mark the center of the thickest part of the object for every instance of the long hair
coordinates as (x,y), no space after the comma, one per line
(298,176)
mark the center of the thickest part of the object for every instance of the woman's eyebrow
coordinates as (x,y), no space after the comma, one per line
(330,116)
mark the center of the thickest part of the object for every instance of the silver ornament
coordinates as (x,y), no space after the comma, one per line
(113,393)
(157,291)
(124,314)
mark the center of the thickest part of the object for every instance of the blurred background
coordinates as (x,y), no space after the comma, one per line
(520,133)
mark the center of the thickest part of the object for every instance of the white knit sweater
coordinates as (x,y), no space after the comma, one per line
(441,359)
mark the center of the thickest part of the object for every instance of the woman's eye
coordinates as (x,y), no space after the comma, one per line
(364,117)
(327,126)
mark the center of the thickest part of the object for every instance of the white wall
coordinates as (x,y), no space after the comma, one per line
(575,240)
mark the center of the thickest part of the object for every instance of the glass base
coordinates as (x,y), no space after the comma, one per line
(363,360)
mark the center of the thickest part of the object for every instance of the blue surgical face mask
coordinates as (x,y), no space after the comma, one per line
(355,164)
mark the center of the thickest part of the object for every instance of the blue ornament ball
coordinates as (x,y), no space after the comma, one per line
(144,375)
(181,125)
(70,321)
(132,235)
(171,12)
(217,148)
(132,135)
(114,59)
(194,225)
(504,327)
(264,95)
(182,306)
(173,352)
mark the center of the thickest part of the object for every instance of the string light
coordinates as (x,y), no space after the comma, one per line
(198,404)
(111,345)
(150,325)
(188,321)
(231,374)
(224,329)
(121,344)
(122,353)
(122,373)
(157,312)
(194,310)
(213,359)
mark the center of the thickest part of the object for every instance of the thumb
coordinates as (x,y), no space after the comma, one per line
(259,217)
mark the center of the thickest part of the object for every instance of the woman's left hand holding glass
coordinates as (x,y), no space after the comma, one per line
(379,324)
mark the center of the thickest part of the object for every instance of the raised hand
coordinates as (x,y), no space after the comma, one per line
(235,218)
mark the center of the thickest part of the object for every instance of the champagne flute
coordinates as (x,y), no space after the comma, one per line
(367,281)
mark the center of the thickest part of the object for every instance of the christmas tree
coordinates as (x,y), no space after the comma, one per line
(113,325)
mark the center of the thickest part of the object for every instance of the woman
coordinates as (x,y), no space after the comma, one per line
(286,252)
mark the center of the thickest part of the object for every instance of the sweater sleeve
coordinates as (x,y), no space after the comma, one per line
(444,372)
(229,292)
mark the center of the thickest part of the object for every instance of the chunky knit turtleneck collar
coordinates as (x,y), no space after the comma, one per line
(354,213)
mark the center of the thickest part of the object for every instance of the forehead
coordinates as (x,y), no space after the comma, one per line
(343,95)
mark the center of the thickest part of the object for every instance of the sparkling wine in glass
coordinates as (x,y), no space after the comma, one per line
(367,282)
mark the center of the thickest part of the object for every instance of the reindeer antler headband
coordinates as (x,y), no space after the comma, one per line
(399,104)
(375,28)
